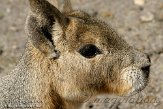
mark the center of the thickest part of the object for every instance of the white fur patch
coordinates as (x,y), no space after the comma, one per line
(134,77)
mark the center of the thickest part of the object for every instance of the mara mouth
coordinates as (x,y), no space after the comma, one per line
(135,78)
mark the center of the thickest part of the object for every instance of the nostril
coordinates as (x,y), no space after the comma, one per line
(146,69)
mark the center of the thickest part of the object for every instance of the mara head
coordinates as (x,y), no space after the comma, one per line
(85,56)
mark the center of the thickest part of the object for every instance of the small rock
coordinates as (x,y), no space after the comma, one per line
(155,104)
(14,29)
(8,10)
(14,47)
(139,2)
(147,17)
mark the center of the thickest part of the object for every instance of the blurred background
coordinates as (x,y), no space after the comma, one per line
(140,22)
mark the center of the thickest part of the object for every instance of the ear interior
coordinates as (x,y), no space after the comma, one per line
(39,25)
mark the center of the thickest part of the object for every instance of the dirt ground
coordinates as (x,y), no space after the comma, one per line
(141,26)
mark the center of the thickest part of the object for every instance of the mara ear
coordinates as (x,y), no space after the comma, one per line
(65,6)
(39,25)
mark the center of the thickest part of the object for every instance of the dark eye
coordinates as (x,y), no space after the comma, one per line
(89,51)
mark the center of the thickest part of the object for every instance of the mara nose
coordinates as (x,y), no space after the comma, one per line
(146,63)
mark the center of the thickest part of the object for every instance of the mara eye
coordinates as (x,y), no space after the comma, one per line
(89,51)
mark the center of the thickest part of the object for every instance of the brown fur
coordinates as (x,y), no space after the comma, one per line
(54,73)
